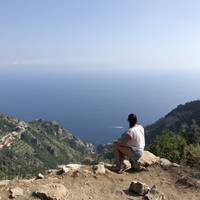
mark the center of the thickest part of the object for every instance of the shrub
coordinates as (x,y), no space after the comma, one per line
(193,155)
(170,146)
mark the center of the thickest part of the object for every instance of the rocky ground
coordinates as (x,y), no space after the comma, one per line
(81,182)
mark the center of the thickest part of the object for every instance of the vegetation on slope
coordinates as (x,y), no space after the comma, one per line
(175,137)
(37,146)
(29,148)
(177,120)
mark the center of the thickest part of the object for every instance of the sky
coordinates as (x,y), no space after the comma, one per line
(150,35)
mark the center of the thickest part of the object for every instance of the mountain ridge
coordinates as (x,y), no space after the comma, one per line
(180,117)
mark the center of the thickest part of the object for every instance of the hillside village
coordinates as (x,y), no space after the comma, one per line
(7,140)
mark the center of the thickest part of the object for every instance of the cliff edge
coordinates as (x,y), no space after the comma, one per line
(161,180)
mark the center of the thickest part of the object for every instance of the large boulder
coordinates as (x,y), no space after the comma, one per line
(148,159)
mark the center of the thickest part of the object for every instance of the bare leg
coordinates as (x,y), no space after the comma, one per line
(126,151)
(120,152)
(118,155)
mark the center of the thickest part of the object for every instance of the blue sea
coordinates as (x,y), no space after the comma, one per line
(94,105)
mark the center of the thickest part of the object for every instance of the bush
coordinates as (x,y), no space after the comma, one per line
(193,155)
(169,145)
(191,133)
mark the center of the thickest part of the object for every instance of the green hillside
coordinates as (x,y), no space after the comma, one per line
(178,119)
(35,146)
(175,136)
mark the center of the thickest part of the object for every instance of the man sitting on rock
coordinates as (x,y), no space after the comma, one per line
(130,145)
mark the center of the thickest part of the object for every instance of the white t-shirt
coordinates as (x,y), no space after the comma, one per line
(137,137)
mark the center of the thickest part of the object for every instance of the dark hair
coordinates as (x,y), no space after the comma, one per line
(132,119)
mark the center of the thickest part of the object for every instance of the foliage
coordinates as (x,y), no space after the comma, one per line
(42,145)
(173,121)
(169,145)
(184,148)
(104,153)
(191,133)
(7,124)
(193,155)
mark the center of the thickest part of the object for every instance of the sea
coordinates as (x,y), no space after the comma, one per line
(93,104)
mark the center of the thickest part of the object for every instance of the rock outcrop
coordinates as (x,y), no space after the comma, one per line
(148,159)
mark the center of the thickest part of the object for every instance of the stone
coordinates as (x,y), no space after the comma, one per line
(65,169)
(165,163)
(154,194)
(15,192)
(99,169)
(4,182)
(127,163)
(175,165)
(148,159)
(40,176)
(60,166)
(139,188)
(85,171)
(108,165)
(51,192)
(74,166)
(52,171)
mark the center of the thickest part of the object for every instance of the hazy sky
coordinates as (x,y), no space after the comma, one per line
(144,34)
